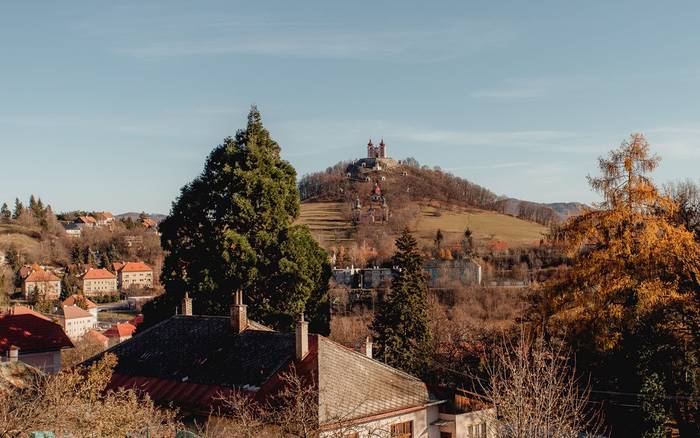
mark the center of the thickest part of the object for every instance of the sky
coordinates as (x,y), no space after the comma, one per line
(115,105)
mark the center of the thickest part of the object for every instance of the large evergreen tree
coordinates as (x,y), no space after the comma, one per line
(232,227)
(5,213)
(400,325)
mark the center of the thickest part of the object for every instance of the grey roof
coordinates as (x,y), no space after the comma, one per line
(205,350)
(351,385)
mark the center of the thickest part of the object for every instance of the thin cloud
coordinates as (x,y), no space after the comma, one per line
(528,88)
(417,45)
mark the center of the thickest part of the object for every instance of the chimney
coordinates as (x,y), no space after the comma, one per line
(239,314)
(187,305)
(13,354)
(302,338)
(368,347)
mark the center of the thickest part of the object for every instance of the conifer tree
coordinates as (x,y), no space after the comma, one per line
(630,303)
(232,227)
(400,325)
(5,213)
(19,208)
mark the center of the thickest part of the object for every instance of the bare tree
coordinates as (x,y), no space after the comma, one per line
(536,394)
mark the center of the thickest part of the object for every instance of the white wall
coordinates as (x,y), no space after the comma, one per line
(421,419)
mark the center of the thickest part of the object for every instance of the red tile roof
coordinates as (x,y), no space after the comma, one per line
(136,320)
(136,267)
(41,276)
(120,330)
(75,298)
(103,215)
(97,336)
(87,220)
(23,310)
(74,312)
(31,334)
(116,266)
(98,274)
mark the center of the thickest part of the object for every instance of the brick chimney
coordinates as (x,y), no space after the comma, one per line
(368,346)
(302,338)
(239,313)
(187,305)
(13,354)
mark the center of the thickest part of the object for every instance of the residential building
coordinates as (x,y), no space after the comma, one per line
(24,310)
(136,274)
(81,301)
(75,321)
(97,337)
(103,218)
(96,282)
(189,360)
(119,333)
(41,284)
(73,230)
(33,340)
(86,222)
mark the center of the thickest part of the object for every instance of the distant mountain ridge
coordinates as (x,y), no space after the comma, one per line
(563,210)
(158,217)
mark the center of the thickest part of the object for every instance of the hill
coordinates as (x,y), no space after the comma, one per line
(330,226)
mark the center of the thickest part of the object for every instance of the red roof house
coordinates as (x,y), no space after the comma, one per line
(39,340)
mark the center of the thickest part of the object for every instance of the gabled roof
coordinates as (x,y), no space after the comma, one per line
(135,267)
(120,330)
(187,360)
(98,274)
(75,298)
(136,320)
(116,266)
(31,334)
(86,220)
(97,336)
(23,310)
(104,215)
(73,312)
(41,276)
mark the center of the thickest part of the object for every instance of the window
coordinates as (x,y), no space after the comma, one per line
(477,430)
(402,430)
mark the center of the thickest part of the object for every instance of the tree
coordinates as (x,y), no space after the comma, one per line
(19,208)
(468,244)
(5,214)
(400,325)
(439,238)
(536,393)
(232,227)
(630,300)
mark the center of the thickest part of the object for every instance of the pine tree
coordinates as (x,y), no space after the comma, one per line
(232,228)
(400,325)
(5,213)
(19,208)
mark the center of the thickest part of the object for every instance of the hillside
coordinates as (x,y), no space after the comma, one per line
(329,226)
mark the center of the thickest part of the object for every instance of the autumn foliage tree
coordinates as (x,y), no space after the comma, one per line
(629,302)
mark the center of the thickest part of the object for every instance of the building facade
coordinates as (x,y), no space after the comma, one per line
(41,284)
(134,274)
(75,321)
(96,282)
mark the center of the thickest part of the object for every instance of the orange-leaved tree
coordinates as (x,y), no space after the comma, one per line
(629,301)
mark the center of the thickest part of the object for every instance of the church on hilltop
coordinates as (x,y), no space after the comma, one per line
(376,151)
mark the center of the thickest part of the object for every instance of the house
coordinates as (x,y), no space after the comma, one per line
(83,302)
(190,360)
(24,310)
(98,282)
(119,333)
(86,222)
(75,321)
(73,230)
(135,274)
(103,218)
(97,337)
(41,283)
(467,415)
(33,340)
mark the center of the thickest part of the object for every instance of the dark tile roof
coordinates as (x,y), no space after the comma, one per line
(205,350)
(187,360)
(31,334)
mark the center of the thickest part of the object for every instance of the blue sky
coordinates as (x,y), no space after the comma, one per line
(115,105)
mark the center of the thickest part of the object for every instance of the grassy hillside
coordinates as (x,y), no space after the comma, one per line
(327,223)
(25,240)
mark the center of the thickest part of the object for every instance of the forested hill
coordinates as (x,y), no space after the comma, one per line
(406,182)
